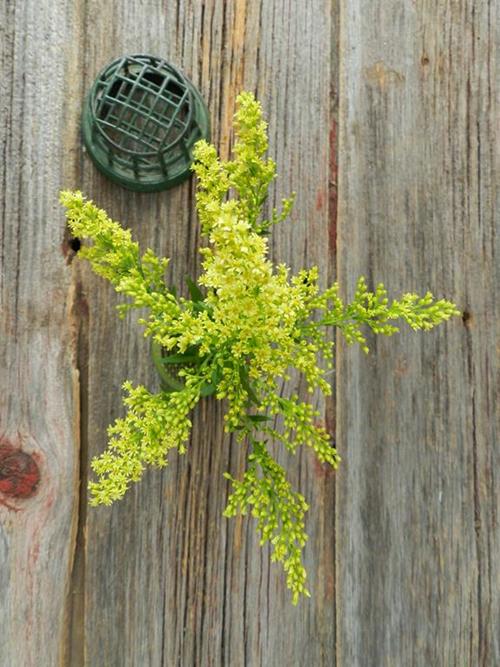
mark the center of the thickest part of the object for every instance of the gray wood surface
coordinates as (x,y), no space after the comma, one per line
(184,585)
(417,498)
(39,388)
(403,538)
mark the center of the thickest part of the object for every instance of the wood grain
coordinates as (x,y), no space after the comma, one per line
(417,532)
(168,580)
(402,554)
(38,378)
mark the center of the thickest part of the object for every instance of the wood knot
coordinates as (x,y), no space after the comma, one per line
(70,246)
(19,473)
(467,318)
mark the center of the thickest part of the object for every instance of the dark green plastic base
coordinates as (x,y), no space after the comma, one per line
(121,166)
(169,380)
(168,369)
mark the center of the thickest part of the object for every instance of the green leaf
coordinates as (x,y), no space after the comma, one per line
(180,359)
(194,291)
(216,377)
(208,390)
(259,418)
(245,381)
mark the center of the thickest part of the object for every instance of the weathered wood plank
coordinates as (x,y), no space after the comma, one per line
(168,580)
(417,532)
(38,377)
(162,578)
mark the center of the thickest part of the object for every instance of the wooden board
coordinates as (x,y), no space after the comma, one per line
(403,538)
(39,388)
(417,533)
(178,583)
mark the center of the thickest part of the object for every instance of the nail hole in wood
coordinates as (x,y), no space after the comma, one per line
(467,318)
(75,244)
(70,246)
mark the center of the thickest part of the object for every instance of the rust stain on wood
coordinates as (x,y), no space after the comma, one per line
(320,200)
(236,73)
(332,190)
(382,76)
(19,472)
(322,470)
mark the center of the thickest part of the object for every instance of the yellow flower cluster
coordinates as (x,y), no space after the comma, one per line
(154,424)
(247,324)
(279,512)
